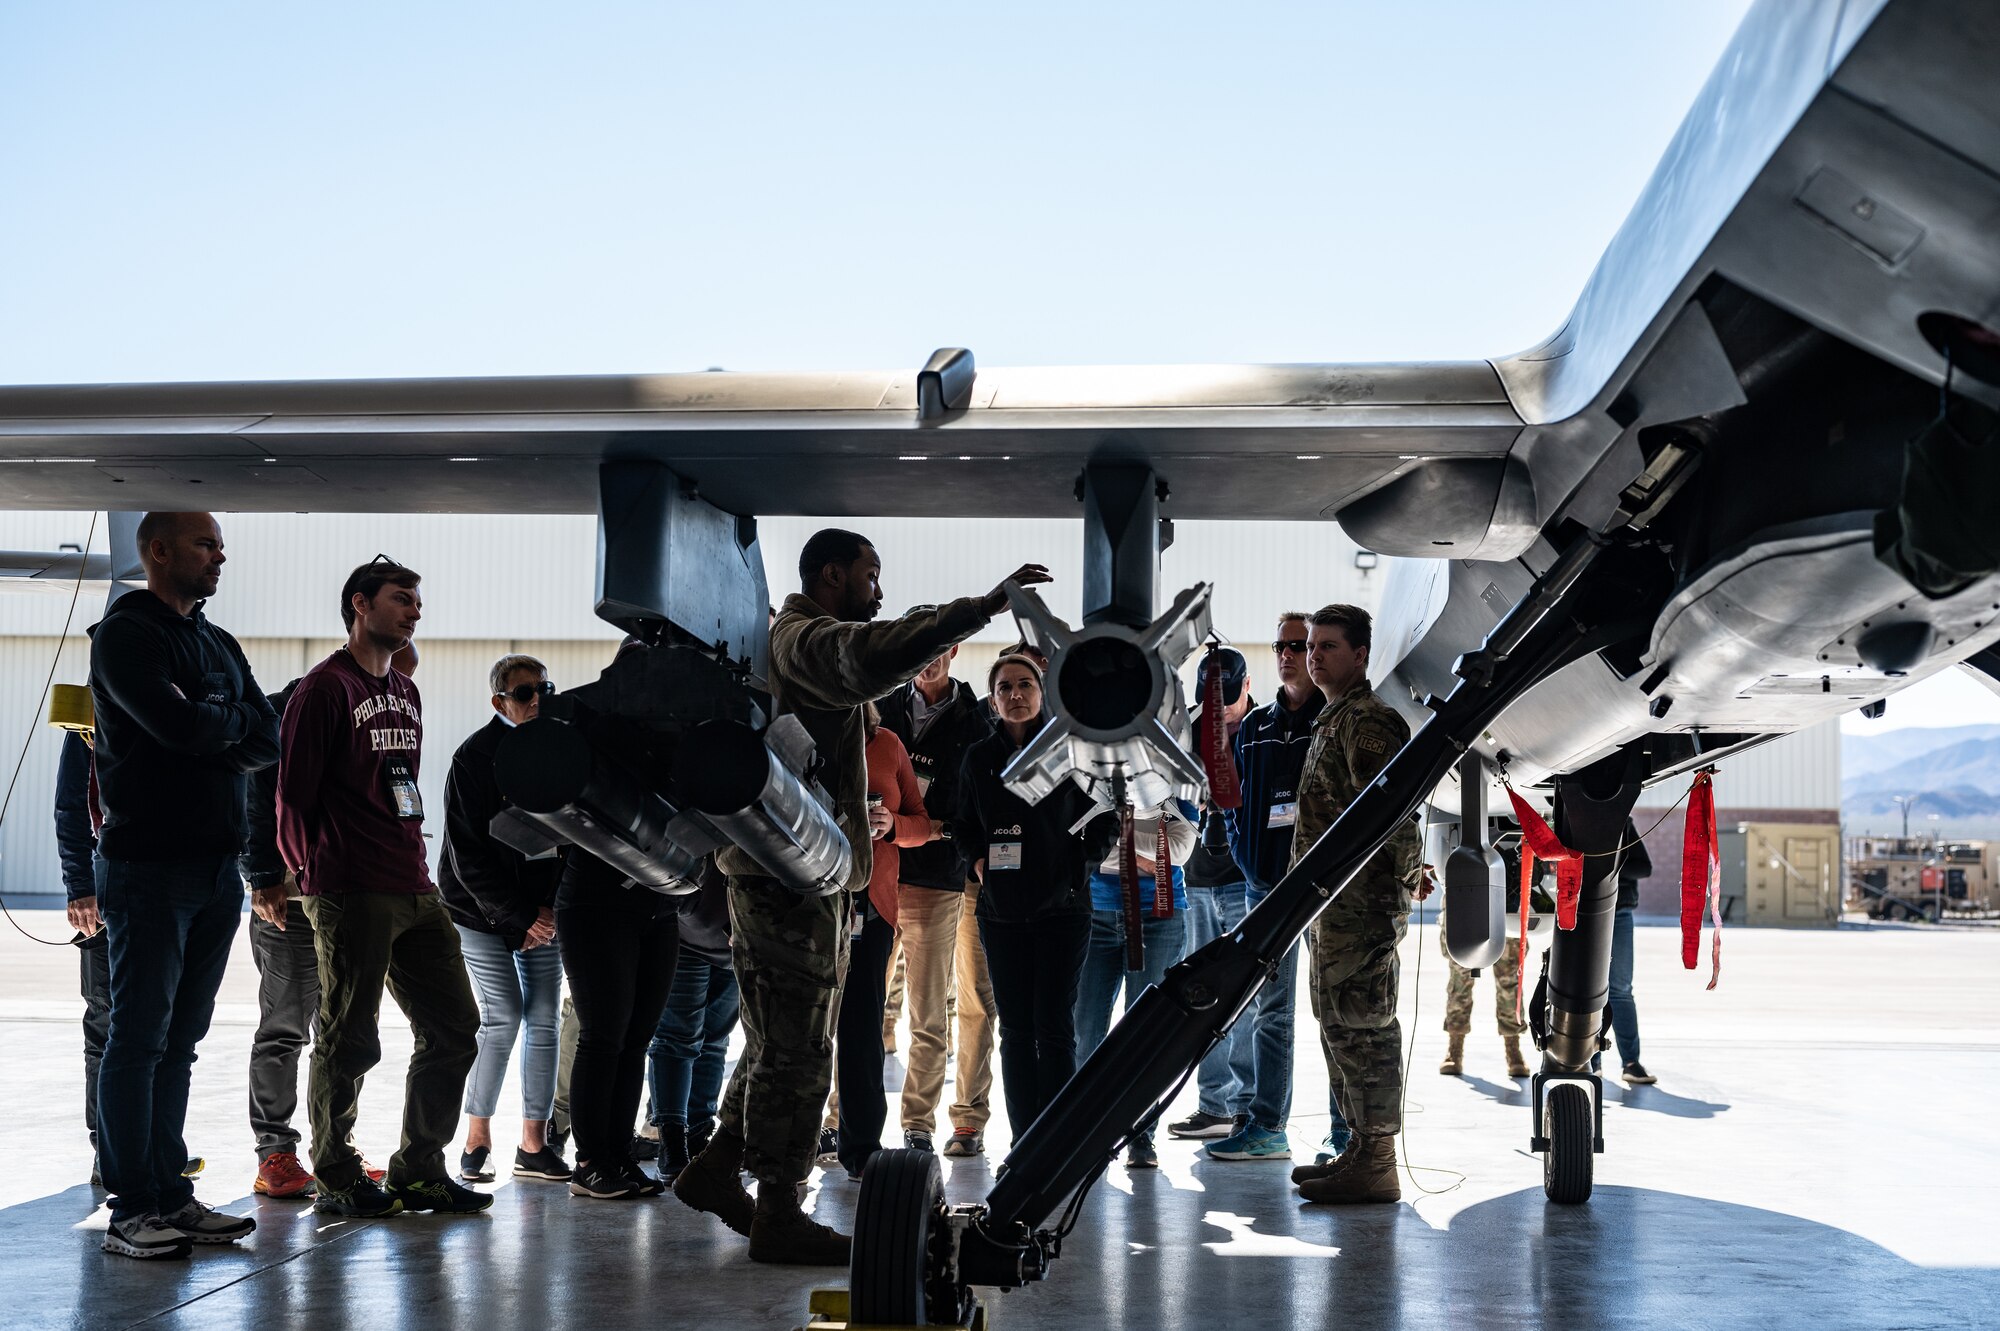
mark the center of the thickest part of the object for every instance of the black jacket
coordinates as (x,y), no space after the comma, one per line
(487,886)
(1637,864)
(705,918)
(937,756)
(1054,877)
(76,841)
(172,768)
(260,863)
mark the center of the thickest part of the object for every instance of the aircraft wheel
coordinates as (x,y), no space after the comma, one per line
(896,1219)
(1566,1122)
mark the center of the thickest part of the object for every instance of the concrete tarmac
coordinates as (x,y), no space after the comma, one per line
(1820,1152)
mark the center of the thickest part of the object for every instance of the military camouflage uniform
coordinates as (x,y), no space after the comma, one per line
(1506,989)
(1353,942)
(791,950)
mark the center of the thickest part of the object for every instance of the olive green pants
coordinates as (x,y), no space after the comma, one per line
(367,941)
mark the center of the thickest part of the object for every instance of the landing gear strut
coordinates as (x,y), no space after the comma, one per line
(1593,597)
(1592,807)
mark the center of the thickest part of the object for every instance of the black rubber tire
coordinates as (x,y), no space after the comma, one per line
(1567,1165)
(894,1218)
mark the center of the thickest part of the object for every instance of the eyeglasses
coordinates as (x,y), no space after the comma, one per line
(527,693)
(1283,645)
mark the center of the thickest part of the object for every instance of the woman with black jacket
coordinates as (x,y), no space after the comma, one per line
(1034,903)
(504,906)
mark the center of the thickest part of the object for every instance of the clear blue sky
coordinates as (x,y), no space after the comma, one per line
(254,190)
(205,190)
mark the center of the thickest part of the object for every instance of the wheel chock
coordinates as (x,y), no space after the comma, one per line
(826,1310)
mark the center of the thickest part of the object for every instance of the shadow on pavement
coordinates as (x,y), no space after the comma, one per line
(1629,1258)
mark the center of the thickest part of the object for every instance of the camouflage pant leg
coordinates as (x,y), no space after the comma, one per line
(1507,989)
(1313,971)
(1355,971)
(1457,995)
(1506,974)
(791,959)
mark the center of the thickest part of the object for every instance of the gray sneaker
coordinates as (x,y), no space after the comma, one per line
(146,1236)
(205,1224)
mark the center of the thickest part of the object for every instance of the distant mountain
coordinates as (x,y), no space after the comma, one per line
(1954,773)
(1969,764)
(1863,754)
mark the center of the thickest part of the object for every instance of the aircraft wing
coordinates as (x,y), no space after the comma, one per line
(1292,442)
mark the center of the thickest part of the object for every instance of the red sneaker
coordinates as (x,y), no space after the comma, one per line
(281,1175)
(374,1174)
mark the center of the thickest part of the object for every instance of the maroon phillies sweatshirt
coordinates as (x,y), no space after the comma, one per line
(349,818)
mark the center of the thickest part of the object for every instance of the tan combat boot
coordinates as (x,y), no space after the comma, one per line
(1516,1065)
(713,1182)
(1301,1173)
(1366,1173)
(1454,1056)
(783,1233)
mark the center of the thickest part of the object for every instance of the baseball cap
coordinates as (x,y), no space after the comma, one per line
(1235,670)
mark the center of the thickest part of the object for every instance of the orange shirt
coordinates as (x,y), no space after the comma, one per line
(891,776)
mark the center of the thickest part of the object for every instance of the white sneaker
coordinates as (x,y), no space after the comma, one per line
(146,1236)
(205,1224)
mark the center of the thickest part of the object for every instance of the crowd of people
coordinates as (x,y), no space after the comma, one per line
(1001,914)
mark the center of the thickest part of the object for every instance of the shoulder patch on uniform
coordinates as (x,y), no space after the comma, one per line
(1372,743)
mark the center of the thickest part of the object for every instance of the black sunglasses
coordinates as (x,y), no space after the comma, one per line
(1283,645)
(524,693)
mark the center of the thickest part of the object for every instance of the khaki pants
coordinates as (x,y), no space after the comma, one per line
(942,954)
(892,1005)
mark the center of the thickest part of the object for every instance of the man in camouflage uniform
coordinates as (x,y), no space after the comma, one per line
(1458,1008)
(827,662)
(1506,983)
(1353,967)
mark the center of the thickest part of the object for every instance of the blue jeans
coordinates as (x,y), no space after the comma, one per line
(686,1057)
(1226,1076)
(519,992)
(170,924)
(1104,974)
(1624,1011)
(1268,1028)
